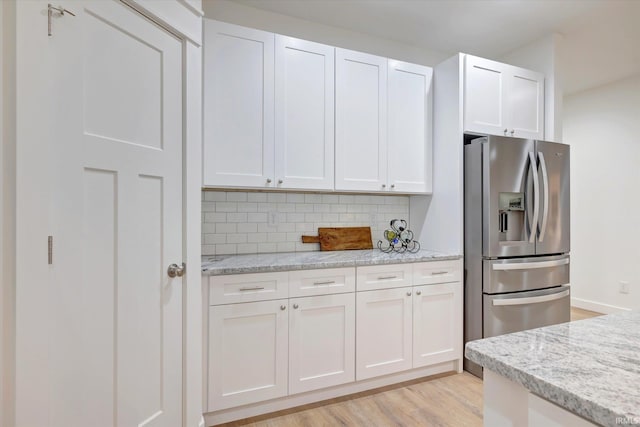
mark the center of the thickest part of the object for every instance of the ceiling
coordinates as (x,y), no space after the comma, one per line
(600,37)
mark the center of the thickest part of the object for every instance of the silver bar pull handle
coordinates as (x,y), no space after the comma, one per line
(531,300)
(530,265)
(536,198)
(255,288)
(387,277)
(326,282)
(545,197)
(438,273)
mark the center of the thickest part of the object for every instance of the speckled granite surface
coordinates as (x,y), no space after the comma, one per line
(590,367)
(236,264)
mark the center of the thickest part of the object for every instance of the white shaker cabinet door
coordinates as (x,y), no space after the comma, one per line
(321,341)
(409,155)
(248,346)
(437,323)
(525,113)
(361,121)
(238,106)
(304,114)
(383,332)
(485,96)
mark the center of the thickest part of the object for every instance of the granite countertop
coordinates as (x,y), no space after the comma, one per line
(259,263)
(590,367)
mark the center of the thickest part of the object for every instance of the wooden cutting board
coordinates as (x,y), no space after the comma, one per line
(341,238)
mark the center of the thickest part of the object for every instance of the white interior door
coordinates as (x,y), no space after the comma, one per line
(115,325)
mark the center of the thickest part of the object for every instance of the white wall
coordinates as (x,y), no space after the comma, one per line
(543,56)
(224,10)
(602,126)
(7,212)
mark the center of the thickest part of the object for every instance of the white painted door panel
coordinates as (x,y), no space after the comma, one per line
(238,106)
(437,323)
(409,156)
(304,114)
(321,341)
(116,326)
(383,332)
(526,104)
(361,121)
(247,353)
(484,96)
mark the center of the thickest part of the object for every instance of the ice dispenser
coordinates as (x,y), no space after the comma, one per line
(511,217)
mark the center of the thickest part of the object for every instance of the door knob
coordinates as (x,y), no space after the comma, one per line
(176,270)
(419,293)
(268,180)
(295,305)
(505,132)
(512,132)
(408,294)
(280,181)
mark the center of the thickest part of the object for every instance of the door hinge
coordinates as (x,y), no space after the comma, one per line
(50,249)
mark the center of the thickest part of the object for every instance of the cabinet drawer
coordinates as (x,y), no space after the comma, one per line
(247,287)
(322,282)
(383,276)
(427,273)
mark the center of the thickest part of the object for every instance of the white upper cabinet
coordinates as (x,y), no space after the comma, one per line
(238,106)
(500,99)
(285,113)
(304,129)
(409,154)
(361,121)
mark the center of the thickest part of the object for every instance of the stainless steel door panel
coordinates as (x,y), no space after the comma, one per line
(508,313)
(553,170)
(506,166)
(524,274)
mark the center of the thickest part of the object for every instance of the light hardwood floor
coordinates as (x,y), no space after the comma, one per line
(443,400)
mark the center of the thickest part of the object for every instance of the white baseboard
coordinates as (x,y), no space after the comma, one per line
(597,306)
(233,414)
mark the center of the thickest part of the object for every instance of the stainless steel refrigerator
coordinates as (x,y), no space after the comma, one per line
(516,250)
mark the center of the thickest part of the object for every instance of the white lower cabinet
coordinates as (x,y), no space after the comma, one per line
(383,337)
(248,352)
(437,323)
(325,329)
(321,341)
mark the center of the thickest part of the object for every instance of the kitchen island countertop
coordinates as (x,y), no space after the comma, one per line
(590,367)
(259,263)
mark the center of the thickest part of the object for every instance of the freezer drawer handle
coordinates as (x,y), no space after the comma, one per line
(531,300)
(530,265)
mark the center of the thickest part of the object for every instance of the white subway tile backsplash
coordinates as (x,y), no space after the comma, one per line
(236,197)
(237,217)
(257,197)
(226,227)
(238,222)
(214,196)
(237,238)
(247,227)
(226,207)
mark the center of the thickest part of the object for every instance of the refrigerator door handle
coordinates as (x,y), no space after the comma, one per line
(536,198)
(530,265)
(531,300)
(545,196)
